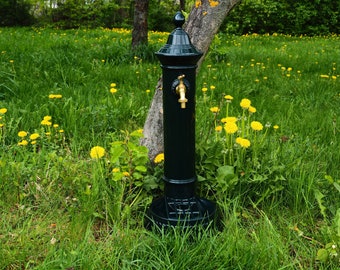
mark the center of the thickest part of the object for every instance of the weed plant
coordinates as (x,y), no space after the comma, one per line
(75,183)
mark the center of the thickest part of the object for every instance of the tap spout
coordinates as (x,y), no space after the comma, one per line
(180,90)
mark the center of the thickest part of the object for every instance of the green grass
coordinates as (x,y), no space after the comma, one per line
(60,209)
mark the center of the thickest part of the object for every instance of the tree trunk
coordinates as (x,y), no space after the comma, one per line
(182,5)
(140,24)
(203,23)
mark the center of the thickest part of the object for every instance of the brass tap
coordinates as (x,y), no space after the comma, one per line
(180,90)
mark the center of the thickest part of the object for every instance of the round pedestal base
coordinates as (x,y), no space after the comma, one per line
(166,212)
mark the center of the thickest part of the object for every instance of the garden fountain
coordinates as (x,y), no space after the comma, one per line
(179,206)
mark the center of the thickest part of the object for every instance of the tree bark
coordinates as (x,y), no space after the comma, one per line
(182,5)
(203,23)
(140,24)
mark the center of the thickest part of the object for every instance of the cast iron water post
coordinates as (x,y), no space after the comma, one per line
(179,205)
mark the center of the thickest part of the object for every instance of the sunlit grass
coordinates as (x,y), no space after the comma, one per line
(64,92)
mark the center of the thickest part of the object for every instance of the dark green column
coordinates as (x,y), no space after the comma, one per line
(179,205)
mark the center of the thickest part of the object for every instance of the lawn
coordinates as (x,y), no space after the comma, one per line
(267,143)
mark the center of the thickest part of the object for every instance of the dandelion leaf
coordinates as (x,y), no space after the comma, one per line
(141,168)
(319,198)
(322,255)
(116,151)
(226,177)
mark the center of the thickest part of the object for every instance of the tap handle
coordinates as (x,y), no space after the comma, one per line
(180,78)
(180,90)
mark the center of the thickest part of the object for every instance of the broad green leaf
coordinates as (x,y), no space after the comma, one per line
(225,173)
(150,183)
(226,177)
(117,176)
(116,151)
(137,175)
(322,255)
(337,186)
(141,168)
(137,133)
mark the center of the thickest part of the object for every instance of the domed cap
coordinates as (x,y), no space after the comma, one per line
(178,50)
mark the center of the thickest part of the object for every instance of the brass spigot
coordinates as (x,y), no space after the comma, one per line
(180,90)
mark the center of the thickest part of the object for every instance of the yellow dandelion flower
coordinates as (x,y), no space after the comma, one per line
(22,134)
(214,109)
(61,131)
(113,85)
(245,103)
(228,97)
(334,77)
(213,3)
(198,3)
(256,125)
(229,119)
(34,136)
(113,90)
(276,127)
(212,87)
(115,170)
(324,76)
(48,118)
(33,142)
(159,158)
(126,174)
(3,110)
(1,125)
(245,143)
(230,127)
(97,152)
(147,91)
(23,143)
(204,89)
(252,109)
(218,128)
(238,140)
(54,96)
(46,123)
